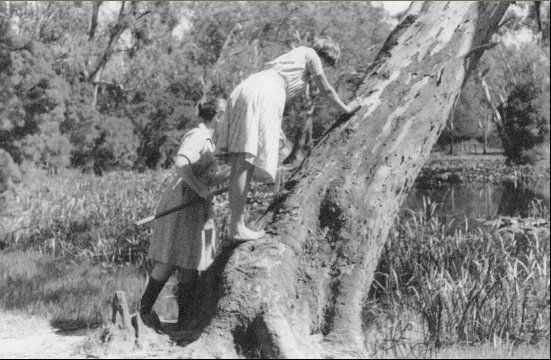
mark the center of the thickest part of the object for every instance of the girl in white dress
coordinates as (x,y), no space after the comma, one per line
(250,130)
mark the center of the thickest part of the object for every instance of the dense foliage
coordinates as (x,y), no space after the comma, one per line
(514,62)
(112,85)
(525,122)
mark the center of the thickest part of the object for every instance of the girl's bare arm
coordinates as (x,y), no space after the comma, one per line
(326,89)
(184,171)
(221,176)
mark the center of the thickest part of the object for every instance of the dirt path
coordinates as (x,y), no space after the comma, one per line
(31,338)
(25,337)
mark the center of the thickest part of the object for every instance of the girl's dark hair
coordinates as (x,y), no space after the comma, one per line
(327,49)
(210,107)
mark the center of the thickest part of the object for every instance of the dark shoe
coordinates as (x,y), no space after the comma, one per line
(151,320)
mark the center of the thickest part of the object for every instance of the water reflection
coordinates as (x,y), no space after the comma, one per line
(482,200)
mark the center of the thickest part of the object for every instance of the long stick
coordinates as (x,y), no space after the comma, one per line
(174,209)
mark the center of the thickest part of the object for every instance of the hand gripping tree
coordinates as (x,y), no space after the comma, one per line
(300,291)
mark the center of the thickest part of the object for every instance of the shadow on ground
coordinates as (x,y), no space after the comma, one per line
(209,292)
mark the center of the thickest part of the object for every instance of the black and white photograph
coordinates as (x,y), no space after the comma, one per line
(275,179)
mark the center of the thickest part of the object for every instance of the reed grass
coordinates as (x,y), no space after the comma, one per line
(76,216)
(468,285)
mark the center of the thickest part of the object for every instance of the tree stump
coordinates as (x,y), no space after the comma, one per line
(130,326)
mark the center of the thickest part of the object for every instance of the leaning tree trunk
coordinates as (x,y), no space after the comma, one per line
(300,291)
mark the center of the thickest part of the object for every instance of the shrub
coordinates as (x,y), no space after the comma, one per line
(9,171)
(100,142)
(32,103)
(525,120)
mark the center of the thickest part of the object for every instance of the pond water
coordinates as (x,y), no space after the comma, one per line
(481,200)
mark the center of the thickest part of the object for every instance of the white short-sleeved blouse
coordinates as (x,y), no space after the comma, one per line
(295,66)
(186,238)
(198,148)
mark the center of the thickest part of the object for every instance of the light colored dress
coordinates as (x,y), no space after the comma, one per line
(252,121)
(187,238)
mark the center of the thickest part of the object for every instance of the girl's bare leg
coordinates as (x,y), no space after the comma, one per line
(240,179)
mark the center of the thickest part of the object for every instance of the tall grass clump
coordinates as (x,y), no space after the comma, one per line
(71,295)
(469,285)
(85,217)
(79,216)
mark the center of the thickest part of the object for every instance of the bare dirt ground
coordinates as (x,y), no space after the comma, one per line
(31,338)
(25,337)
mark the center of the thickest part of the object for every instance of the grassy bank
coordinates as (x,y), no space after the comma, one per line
(443,168)
(77,216)
(69,242)
(69,294)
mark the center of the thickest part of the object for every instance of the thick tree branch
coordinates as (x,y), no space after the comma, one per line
(207,78)
(94,20)
(534,15)
(114,36)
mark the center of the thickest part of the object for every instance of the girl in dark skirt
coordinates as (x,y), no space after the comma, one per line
(186,240)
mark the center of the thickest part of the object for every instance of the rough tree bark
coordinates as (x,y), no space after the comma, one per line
(300,292)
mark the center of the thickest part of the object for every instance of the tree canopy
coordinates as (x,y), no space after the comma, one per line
(101,85)
(106,85)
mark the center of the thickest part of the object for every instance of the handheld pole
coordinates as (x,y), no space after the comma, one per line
(174,209)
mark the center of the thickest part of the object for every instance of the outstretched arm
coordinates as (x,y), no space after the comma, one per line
(326,89)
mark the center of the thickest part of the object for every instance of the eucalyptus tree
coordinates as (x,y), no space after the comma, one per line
(300,291)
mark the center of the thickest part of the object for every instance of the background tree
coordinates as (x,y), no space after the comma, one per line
(149,63)
(126,60)
(517,79)
(32,102)
(9,171)
(512,61)
(525,123)
(470,116)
